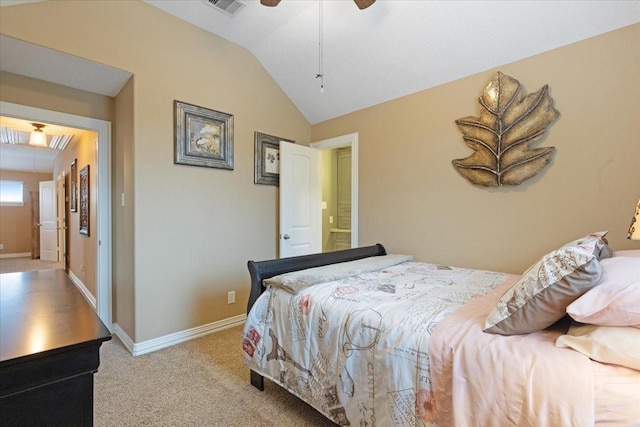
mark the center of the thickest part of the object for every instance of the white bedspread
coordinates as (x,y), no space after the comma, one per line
(483,379)
(356,349)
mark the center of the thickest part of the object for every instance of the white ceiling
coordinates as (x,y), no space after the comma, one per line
(391,49)
(396,47)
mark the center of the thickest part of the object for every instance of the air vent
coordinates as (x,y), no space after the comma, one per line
(230,7)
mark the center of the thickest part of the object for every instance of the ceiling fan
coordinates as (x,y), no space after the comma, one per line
(362,4)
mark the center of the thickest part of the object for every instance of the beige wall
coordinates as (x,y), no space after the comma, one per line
(194,228)
(414,201)
(16,225)
(81,249)
(123,216)
(37,93)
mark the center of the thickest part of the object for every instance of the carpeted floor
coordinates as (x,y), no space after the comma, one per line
(202,382)
(13,265)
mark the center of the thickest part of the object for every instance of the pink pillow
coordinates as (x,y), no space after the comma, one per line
(615,300)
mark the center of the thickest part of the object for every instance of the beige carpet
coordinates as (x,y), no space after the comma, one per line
(202,382)
(13,265)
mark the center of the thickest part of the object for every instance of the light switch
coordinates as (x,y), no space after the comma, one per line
(324,205)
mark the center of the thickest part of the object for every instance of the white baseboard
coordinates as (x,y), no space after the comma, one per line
(149,346)
(122,335)
(83,289)
(18,255)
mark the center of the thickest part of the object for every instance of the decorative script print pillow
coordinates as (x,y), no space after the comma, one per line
(540,297)
(595,243)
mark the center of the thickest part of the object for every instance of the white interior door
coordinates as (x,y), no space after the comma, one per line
(300,200)
(48,232)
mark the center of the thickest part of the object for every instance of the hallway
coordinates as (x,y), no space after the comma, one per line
(14,265)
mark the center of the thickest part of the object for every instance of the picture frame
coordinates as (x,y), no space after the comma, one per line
(73,186)
(83,200)
(267,158)
(203,137)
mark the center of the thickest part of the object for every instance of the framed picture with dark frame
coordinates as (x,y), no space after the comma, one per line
(203,137)
(84,200)
(73,186)
(267,158)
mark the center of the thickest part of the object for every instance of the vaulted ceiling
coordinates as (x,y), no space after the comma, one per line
(388,50)
(395,47)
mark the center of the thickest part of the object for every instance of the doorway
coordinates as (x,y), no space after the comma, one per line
(102,128)
(343,230)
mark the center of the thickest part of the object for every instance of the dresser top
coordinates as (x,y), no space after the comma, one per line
(43,312)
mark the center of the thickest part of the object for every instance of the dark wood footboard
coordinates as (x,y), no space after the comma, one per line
(260,270)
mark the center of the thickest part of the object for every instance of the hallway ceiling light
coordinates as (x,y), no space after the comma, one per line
(57,138)
(38,138)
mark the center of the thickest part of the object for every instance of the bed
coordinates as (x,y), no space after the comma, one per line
(370,338)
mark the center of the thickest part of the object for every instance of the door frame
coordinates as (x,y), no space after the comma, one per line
(349,140)
(61,195)
(103,130)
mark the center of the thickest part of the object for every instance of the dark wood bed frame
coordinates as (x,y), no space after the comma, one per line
(260,270)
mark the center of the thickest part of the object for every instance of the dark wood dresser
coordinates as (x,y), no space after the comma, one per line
(50,339)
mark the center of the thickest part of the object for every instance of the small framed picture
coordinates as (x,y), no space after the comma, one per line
(84,200)
(73,186)
(267,158)
(203,137)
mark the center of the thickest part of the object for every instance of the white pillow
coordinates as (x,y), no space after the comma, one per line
(606,344)
(628,252)
(615,300)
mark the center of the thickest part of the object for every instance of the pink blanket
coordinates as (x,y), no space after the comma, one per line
(481,379)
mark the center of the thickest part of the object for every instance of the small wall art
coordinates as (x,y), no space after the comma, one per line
(84,200)
(502,136)
(267,158)
(203,137)
(73,186)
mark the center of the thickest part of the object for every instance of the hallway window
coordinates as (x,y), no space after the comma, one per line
(11,193)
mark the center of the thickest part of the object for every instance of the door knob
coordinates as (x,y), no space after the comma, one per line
(286,237)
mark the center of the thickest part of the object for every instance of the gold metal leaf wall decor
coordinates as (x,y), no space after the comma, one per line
(501,137)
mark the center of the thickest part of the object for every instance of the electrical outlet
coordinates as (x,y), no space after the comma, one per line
(1,246)
(231,297)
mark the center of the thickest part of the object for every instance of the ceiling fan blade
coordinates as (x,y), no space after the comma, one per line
(363,4)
